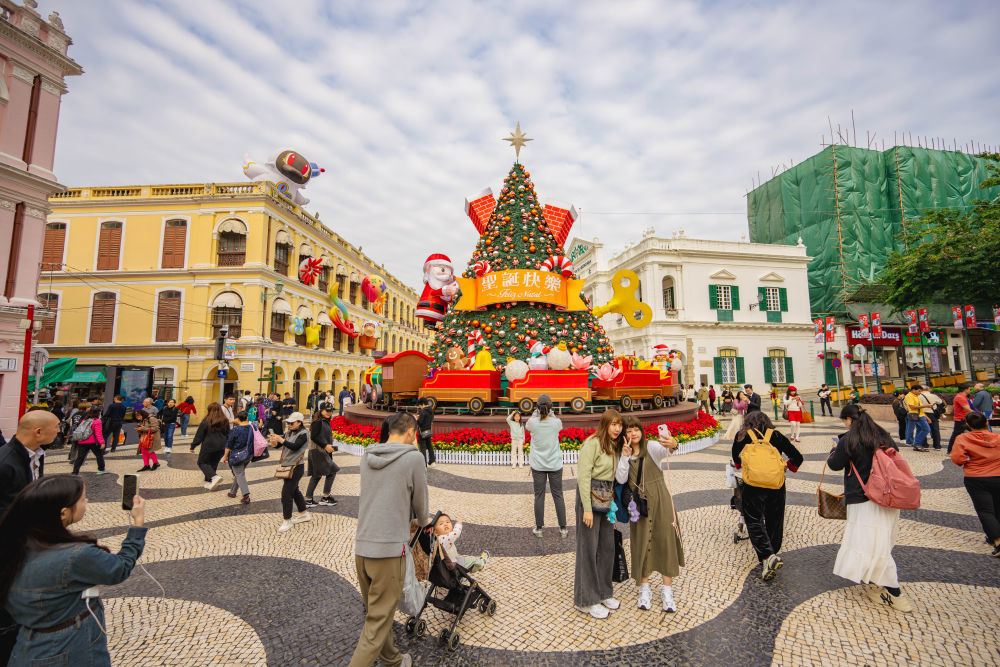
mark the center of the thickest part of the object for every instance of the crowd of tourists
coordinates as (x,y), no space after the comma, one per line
(622,489)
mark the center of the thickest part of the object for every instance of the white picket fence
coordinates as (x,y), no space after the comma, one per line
(503,458)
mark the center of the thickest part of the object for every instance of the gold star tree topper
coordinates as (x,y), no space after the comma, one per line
(518,139)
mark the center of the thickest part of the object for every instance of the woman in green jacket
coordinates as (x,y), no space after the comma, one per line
(595,545)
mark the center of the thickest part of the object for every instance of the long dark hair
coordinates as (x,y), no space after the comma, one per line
(34,522)
(610,446)
(864,435)
(756,421)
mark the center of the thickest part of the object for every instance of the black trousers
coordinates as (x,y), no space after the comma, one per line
(902,426)
(427,449)
(985,495)
(935,424)
(82,455)
(327,485)
(764,513)
(554,478)
(111,432)
(208,462)
(290,493)
(960,428)
(824,405)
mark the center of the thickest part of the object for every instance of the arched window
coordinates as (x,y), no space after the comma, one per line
(50,303)
(109,245)
(102,317)
(669,303)
(174,239)
(282,251)
(232,243)
(54,246)
(168,316)
(227,310)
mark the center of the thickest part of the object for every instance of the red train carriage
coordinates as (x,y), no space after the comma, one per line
(561,386)
(630,386)
(475,388)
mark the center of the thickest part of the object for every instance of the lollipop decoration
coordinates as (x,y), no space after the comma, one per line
(309,268)
(559,264)
(481,267)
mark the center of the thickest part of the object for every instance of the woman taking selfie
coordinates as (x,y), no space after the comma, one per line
(654,538)
(44,569)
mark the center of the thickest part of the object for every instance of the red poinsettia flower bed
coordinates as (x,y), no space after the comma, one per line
(478,440)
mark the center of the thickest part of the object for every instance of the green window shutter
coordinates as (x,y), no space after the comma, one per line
(774,316)
(735,291)
(762,298)
(724,315)
(783,298)
(717,362)
(740,374)
(713,297)
(768,376)
(789,376)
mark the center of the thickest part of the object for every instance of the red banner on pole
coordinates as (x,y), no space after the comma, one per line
(831,325)
(818,330)
(956,316)
(863,326)
(911,320)
(877,325)
(924,320)
(970,317)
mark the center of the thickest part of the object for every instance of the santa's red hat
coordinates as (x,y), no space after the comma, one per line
(436,259)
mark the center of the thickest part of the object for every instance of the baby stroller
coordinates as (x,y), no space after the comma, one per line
(735,482)
(458,591)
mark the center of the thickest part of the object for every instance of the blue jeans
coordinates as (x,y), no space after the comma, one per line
(917,431)
(185,420)
(168,435)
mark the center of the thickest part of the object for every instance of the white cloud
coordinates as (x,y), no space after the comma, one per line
(643,113)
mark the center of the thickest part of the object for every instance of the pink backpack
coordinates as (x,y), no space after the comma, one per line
(259,442)
(891,483)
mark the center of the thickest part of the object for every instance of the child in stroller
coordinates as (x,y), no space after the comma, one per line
(447,534)
(451,580)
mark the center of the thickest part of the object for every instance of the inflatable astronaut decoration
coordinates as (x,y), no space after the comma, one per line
(288,170)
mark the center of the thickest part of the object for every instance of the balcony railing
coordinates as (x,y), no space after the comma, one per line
(232,258)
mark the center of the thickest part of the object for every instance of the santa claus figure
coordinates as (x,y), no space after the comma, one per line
(440,288)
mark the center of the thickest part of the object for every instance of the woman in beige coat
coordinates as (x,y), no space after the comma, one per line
(148,424)
(655,538)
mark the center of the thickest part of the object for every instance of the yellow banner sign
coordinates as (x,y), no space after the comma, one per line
(520,285)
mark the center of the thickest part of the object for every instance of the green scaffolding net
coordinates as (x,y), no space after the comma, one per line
(849,206)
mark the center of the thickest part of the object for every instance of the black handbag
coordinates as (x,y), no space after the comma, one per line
(620,571)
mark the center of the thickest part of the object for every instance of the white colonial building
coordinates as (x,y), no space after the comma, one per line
(735,312)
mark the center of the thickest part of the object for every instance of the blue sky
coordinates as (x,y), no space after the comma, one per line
(644,114)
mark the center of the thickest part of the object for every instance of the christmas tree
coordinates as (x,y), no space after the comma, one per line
(518,237)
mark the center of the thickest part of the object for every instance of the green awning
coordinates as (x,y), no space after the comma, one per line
(57,370)
(87,376)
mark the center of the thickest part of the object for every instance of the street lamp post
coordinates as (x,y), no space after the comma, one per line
(264,295)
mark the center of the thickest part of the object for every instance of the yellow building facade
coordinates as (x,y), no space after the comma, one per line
(147,275)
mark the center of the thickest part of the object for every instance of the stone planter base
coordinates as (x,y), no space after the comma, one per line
(503,458)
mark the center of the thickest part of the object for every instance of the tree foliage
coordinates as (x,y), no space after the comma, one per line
(953,256)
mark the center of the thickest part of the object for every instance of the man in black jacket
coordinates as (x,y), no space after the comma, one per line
(753,398)
(112,420)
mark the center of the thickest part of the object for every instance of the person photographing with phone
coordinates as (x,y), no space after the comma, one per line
(48,574)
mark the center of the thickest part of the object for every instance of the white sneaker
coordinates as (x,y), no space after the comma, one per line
(285,526)
(564,532)
(537,532)
(611,603)
(645,597)
(667,594)
(302,517)
(597,611)
(214,484)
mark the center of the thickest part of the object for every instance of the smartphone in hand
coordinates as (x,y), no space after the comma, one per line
(130,489)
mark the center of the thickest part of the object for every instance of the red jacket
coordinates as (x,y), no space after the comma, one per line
(978,452)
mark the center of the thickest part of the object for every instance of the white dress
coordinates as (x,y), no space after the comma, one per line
(865,554)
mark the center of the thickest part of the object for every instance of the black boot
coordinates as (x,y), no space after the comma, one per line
(143,469)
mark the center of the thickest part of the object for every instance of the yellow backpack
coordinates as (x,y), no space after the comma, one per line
(763,465)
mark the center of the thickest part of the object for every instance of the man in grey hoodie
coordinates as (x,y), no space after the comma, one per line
(393,489)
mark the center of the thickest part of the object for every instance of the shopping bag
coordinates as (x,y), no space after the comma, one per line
(412,599)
